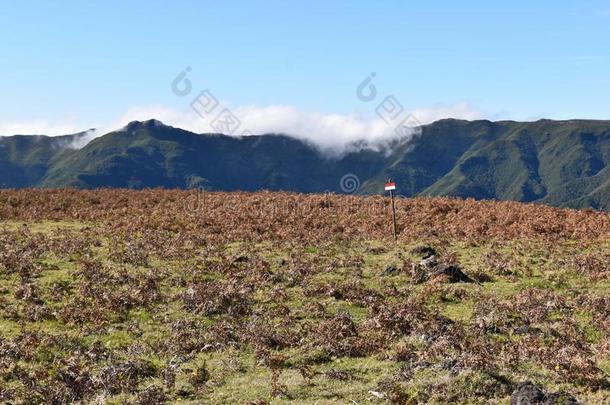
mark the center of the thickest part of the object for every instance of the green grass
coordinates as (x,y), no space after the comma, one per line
(43,227)
(238,376)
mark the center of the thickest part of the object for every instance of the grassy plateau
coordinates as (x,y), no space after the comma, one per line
(159,296)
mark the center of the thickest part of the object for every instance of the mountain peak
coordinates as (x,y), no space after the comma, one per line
(147,124)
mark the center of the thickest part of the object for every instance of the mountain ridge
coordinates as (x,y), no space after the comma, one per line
(562,163)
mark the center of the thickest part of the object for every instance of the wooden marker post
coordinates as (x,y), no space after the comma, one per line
(391,186)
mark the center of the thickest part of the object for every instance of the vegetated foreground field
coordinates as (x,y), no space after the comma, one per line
(116,296)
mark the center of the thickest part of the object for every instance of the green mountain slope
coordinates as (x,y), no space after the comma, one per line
(562,163)
(556,162)
(150,154)
(25,159)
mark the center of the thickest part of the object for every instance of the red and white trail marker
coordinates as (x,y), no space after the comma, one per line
(389,186)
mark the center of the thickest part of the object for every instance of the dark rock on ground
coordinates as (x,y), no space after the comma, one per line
(427,270)
(454,273)
(429,262)
(430,267)
(527,393)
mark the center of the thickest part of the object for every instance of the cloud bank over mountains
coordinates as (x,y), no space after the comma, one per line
(329,131)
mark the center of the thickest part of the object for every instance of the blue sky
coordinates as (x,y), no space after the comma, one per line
(79,64)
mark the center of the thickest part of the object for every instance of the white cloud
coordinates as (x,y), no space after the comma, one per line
(40,127)
(332,132)
(328,131)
